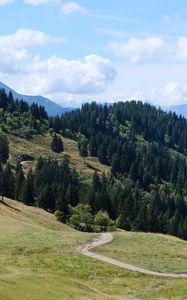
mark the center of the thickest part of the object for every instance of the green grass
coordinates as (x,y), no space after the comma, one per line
(40,146)
(153,251)
(39,261)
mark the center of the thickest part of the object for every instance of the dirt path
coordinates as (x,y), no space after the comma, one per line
(106,238)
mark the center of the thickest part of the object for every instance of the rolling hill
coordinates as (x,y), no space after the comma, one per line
(122,159)
(40,146)
(39,261)
(127,159)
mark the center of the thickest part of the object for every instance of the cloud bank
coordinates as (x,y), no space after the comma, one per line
(140,50)
(55,75)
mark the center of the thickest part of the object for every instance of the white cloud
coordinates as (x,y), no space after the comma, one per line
(140,50)
(56,75)
(40,2)
(10,58)
(14,48)
(24,38)
(5,2)
(171,93)
(73,7)
(182,48)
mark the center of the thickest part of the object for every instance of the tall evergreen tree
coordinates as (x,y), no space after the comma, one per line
(57,144)
(8,183)
(18,181)
(46,198)
(4,149)
(62,205)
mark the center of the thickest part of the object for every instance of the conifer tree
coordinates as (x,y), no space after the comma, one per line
(96,184)
(4,149)
(62,206)
(57,144)
(8,183)
(24,195)
(18,181)
(46,198)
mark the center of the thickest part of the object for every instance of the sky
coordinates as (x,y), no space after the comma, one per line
(103,50)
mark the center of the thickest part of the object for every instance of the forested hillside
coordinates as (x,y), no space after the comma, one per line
(146,149)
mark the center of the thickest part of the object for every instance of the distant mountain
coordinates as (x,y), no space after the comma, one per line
(179,109)
(51,107)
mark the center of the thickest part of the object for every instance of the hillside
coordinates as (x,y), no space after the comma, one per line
(39,145)
(127,160)
(156,252)
(38,260)
(147,151)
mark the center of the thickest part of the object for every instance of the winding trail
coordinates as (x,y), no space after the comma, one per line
(105,238)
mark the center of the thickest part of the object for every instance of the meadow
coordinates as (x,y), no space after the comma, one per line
(156,252)
(39,145)
(39,261)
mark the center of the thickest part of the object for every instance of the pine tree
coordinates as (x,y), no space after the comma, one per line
(115,164)
(24,195)
(8,183)
(83,146)
(46,198)
(57,144)
(3,99)
(18,181)
(62,206)
(30,179)
(93,146)
(101,153)
(4,149)
(96,184)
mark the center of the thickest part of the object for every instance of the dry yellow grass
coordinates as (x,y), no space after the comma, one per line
(40,146)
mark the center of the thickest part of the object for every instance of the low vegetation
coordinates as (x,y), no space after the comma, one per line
(39,146)
(38,260)
(153,251)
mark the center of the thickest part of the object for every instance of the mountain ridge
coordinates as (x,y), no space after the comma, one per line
(51,107)
(180,109)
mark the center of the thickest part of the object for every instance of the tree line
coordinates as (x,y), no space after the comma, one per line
(145,147)
(59,188)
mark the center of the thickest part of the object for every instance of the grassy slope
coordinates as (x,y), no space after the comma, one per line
(40,146)
(154,251)
(38,261)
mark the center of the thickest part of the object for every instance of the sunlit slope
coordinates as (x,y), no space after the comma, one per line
(39,261)
(39,145)
(156,252)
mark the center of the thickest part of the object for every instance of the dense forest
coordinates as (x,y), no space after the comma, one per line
(145,147)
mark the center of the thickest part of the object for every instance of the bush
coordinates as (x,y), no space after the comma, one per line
(59,215)
(102,219)
(82,218)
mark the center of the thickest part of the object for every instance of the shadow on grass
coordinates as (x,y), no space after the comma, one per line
(92,167)
(8,205)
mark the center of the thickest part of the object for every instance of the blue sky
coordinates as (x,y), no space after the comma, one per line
(106,50)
